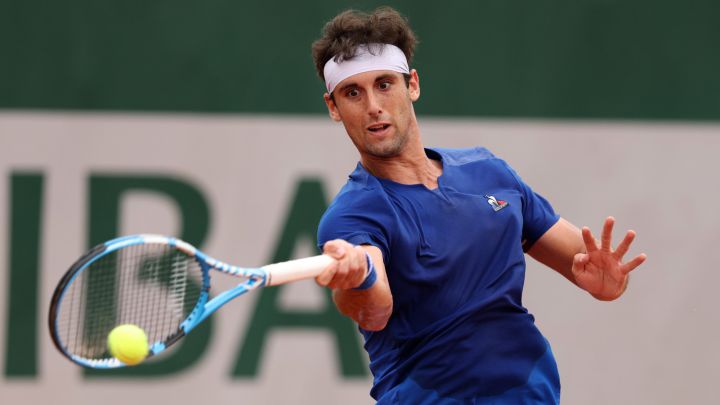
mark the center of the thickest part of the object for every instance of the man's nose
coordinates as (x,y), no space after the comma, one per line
(373,104)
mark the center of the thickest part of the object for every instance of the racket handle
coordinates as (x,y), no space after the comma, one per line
(294,270)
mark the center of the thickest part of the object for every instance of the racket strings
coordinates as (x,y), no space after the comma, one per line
(153,286)
(178,282)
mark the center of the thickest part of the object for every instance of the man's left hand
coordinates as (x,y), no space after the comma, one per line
(601,271)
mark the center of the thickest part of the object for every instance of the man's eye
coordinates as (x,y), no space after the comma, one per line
(384,85)
(353,93)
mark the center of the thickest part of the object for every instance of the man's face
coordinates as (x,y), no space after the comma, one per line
(376,109)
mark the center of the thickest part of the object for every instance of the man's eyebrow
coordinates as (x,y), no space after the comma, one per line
(346,86)
(385,77)
(350,85)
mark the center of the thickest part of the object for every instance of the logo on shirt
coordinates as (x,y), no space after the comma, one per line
(495,203)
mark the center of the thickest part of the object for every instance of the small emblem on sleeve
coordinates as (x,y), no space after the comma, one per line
(496,204)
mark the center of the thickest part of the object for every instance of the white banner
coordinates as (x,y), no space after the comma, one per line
(656,345)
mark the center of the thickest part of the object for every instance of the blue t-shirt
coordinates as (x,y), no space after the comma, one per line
(456,267)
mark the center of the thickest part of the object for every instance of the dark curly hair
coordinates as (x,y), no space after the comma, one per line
(349,29)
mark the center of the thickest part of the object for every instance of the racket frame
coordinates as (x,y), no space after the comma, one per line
(274,274)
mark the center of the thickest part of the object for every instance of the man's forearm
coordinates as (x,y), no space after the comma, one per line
(370,308)
(557,247)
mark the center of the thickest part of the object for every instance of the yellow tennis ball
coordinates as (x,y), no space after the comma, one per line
(128,343)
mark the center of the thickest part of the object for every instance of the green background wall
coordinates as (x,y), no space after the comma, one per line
(638,59)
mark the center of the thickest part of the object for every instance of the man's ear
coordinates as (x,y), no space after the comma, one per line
(332,108)
(414,86)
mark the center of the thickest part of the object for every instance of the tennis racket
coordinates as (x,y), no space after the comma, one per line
(158,283)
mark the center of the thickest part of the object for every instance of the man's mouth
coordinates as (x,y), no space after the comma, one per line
(378,127)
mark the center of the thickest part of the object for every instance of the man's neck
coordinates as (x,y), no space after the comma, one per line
(412,166)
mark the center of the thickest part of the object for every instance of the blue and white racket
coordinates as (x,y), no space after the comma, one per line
(158,283)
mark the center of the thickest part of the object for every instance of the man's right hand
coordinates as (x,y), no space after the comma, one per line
(349,269)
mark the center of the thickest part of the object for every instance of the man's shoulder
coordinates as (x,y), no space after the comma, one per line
(458,157)
(361,190)
(361,207)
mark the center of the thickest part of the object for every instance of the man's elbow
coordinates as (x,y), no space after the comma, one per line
(375,320)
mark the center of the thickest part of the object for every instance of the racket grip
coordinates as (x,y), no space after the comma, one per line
(294,270)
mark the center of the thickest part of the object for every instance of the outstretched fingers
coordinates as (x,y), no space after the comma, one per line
(606,238)
(589,239)
(624,246)
(632,264)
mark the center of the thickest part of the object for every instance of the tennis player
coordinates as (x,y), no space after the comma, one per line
(430,243)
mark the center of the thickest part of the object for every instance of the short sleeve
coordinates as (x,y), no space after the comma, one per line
(360,221)
(538,214)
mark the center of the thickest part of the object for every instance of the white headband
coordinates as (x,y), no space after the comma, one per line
(380,57)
